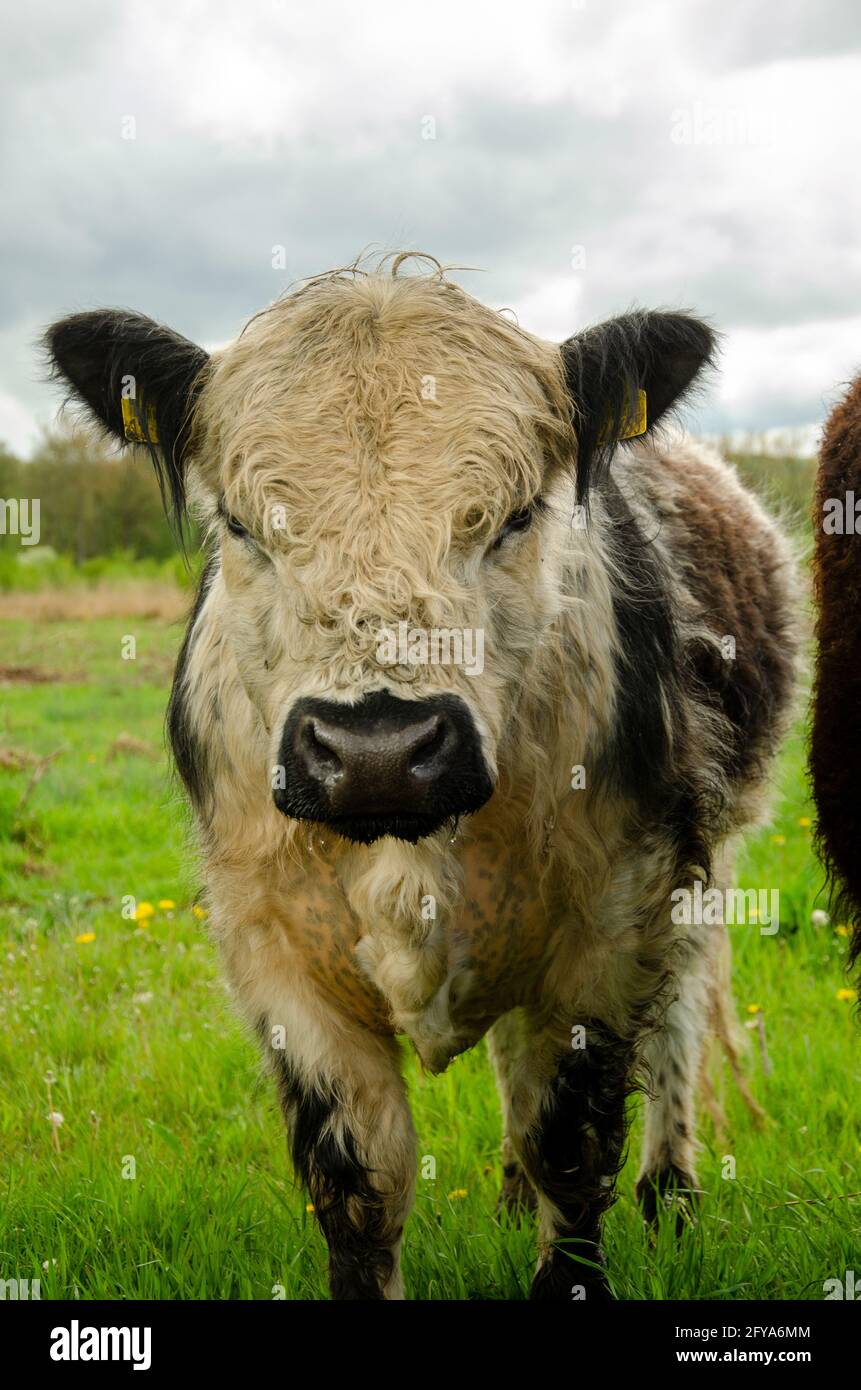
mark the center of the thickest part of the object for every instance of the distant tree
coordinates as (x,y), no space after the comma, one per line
(94,499)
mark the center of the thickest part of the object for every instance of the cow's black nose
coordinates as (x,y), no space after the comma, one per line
(387,757)
(382,767)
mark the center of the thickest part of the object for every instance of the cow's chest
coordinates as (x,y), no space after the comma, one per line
(481,958)
(502,933)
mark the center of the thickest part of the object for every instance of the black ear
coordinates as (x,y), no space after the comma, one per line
(607,366)
(111,356)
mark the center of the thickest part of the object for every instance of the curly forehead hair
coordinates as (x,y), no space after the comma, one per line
(372,373)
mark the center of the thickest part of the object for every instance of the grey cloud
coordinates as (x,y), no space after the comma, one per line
(180,224)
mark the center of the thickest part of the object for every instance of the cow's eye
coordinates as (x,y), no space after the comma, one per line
(234,527)
(518,521)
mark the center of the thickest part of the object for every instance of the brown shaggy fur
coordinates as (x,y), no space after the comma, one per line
(835,751)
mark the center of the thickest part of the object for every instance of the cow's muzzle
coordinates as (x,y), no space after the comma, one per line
(383,766)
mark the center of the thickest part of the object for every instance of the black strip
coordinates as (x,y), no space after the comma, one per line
(350,1210)
(575,1156)
(188,751)
(649,758)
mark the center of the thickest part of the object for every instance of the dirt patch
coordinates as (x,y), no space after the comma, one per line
(139,599)
(30,869)
(34,675)
(16,758)
(129,745)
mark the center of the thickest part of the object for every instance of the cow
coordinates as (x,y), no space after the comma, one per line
(835,761)
(398,842)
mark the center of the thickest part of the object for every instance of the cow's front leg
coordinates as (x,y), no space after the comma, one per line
(505,1043)
(568,1125)
(353,1146)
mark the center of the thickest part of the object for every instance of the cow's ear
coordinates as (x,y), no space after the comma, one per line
(624,375)
(137,379)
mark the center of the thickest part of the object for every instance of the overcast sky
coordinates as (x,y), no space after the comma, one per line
(586,156)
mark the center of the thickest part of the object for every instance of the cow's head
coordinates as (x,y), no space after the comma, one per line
(389,471)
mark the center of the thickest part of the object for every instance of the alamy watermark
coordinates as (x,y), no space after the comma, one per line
(845,1288)
(20,1289)
(77,1343)
(841,516)
(710,907)
(702,124)
(20,516)
(436,646)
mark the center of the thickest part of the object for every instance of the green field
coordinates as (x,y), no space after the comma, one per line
(148,1063)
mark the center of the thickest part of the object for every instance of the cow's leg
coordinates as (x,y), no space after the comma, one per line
(505,1045)
(673,1060)
(567,1124)
(353,1146)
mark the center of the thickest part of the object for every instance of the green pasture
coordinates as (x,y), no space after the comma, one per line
(122,1028)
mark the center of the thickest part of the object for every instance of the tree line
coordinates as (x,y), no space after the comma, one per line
(94,501)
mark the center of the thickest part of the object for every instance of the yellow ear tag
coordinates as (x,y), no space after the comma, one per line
(635,425)
(132,423)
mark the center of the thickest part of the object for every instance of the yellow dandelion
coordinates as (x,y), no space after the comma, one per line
(309,1207)
(842,930)
(457,1194)
(845,995)
(166,904)
(778,839)
(754,1008)
(200,912)
(144,910)
(85,938)
(804,821)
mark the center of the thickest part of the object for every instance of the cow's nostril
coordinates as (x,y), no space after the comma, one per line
(319,752)
(429,746)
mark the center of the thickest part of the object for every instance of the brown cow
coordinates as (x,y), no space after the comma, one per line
(835,756)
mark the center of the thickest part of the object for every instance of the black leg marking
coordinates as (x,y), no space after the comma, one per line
(351,1210)
(668,1189)
(574,1157)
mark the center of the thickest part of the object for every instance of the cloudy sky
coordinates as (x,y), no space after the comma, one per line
(583,155)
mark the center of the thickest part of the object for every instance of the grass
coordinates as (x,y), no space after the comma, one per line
(154,1076)
(784,483)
